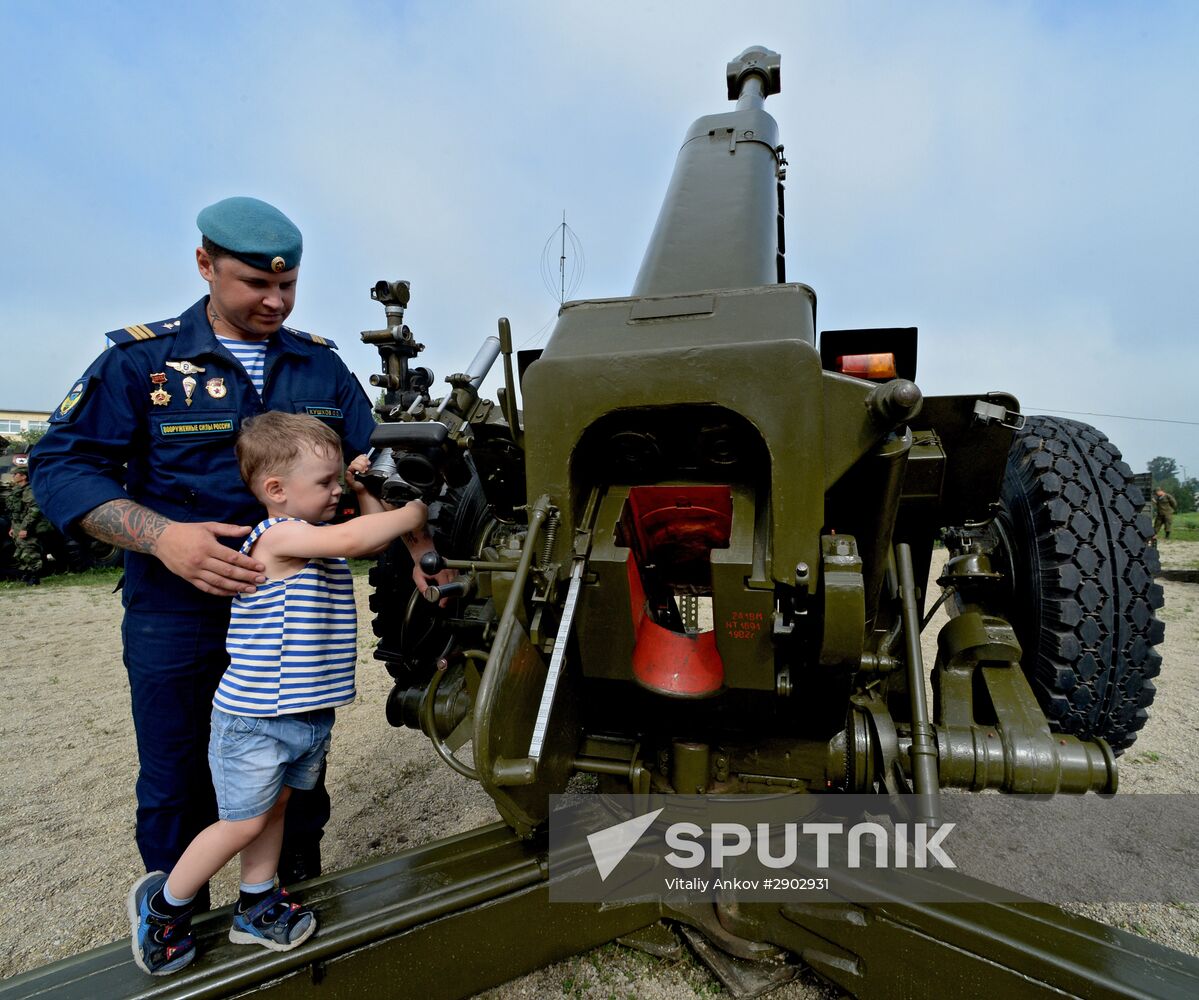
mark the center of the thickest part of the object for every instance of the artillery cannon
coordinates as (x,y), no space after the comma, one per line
(693,561)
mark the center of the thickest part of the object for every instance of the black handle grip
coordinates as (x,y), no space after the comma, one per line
(455,589)
(432,563)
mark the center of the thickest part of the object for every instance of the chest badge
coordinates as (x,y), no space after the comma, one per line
(159,397)
(185,367)
(215,387)
(189,386)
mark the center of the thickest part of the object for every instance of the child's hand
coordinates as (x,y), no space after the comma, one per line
(360,465)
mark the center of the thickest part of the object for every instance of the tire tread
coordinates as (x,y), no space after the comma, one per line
(1087,624)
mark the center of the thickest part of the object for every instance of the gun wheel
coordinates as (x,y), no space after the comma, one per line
(1082,579)
(410,632)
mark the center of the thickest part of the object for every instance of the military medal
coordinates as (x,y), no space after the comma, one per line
(159,397)
(215,387)
(185,367)
(189,386)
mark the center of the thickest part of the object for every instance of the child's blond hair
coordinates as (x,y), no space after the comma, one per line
(271,443)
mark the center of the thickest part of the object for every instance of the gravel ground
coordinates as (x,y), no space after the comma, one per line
(67,796)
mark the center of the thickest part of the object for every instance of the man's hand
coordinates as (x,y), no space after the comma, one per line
(191,551)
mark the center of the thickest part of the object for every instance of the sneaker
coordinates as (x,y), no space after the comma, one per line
(161,944)
(275,922)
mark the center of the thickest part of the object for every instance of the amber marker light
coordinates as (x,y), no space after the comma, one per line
(876,367)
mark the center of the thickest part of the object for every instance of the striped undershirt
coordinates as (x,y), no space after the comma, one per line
(293,642)
(252,355)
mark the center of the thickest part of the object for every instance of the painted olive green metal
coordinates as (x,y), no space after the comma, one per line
(721,225)
(691,449)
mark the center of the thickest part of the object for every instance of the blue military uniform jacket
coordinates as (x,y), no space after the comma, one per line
(127,429)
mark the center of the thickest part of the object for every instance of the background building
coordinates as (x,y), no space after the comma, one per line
(18,421)
(14,424)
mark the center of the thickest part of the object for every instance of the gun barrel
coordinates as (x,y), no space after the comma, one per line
(721,225)
(483,361)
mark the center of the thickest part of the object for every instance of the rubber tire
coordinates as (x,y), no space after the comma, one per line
(1082,571)
(105,555)
(456,522)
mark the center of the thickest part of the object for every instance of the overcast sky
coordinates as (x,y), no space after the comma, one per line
(1018,180)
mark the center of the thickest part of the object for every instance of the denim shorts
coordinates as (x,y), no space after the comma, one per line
(253,758)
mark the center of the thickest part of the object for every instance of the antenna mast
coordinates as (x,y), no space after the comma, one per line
(571,263)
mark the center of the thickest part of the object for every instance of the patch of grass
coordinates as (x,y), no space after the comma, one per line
(108,576)
(1186,527)
(595,959)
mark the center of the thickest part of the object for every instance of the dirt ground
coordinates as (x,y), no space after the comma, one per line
(67,855)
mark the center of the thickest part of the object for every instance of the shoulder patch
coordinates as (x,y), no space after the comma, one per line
(142,331)
(66,410)
(322,341)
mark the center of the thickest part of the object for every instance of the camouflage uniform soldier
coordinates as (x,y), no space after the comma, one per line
(1164,506)
(27,526)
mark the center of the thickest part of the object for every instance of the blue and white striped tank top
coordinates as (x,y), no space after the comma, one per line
(293,642)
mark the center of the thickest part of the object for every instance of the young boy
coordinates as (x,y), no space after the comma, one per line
(292,647)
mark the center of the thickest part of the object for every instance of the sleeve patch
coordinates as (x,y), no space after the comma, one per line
(71,403)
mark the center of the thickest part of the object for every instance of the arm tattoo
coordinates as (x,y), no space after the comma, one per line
(125,523)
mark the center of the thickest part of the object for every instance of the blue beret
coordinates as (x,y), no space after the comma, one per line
(254,232)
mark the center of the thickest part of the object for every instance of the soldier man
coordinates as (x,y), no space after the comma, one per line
(27,527)
(140,454)
(1164,506)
